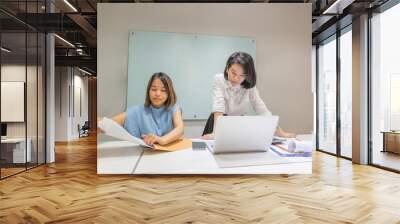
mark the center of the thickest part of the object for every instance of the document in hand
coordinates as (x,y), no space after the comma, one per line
(113,129)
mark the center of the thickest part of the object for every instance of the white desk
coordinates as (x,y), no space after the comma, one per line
(119,157)
(190,161)
(18,150)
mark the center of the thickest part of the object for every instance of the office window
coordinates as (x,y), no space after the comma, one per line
(327,95)
(346,92)
(394,101)
(385,88)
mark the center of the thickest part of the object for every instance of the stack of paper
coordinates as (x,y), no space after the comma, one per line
(299,146)
(283,151)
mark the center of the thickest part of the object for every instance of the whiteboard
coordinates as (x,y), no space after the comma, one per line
(190,60)
(12,101)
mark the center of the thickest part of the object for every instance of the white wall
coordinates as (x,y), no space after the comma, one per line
(80,82)
(282,32)
(61,103)
(66,119)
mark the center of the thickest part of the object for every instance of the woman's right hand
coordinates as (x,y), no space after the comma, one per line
(208,136)
(151,139)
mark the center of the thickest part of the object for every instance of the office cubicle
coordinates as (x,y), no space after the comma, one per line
(22,77)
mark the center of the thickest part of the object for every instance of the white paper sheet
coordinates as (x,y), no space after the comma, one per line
(115,130)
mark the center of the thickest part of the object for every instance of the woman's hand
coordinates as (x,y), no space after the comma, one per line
(281,133)
(208,136)
(289,135)
(151,139)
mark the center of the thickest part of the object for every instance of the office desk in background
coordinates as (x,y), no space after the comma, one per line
(13,150)
(120,157)
(391,141)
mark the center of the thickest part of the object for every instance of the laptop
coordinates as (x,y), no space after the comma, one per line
(243,134)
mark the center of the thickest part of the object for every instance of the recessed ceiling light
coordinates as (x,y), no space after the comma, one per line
(337,7)
(70,5)
(64,40)
(5,50)
(84,71)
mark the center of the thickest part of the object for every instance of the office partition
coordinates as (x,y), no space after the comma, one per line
(22,76)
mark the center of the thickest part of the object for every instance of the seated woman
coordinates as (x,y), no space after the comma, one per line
(234,90)
(159,120)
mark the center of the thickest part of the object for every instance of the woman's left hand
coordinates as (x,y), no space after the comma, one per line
(289,135)
(281,133)
(151,139)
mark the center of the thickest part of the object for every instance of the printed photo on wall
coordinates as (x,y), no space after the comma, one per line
(203,103)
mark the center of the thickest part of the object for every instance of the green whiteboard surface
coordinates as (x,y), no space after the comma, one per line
(190,60)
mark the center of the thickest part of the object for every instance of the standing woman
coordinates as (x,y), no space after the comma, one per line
(234,90)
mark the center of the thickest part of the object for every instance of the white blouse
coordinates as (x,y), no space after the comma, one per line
(234,100)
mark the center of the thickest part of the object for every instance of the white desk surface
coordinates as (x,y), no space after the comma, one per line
(13,140)
(121,157)
(190,161)
(117,157)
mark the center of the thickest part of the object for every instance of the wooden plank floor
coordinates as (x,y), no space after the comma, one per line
(70,191)
(10,171)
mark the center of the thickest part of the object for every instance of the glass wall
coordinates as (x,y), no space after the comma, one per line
(22,79)
(385,88)
(31,100)
(41,97)
(346,92)
(327,95)
(334,63)
(13,88)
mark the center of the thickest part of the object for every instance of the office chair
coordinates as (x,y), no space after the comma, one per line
(84,130)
